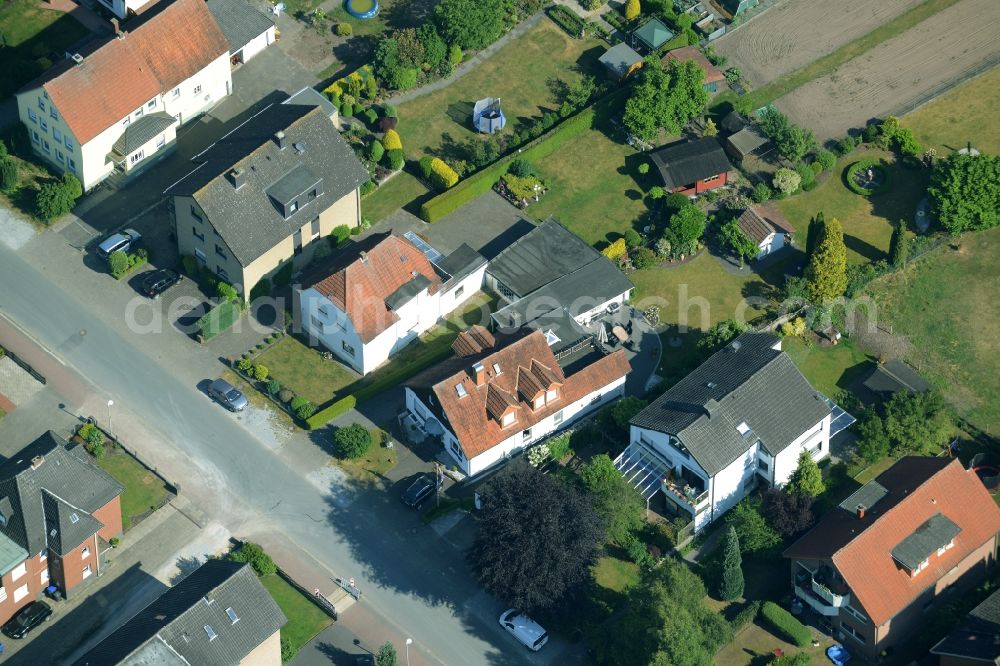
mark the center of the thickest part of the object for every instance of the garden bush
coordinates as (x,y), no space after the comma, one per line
(340,234)
(615,250)
(260,372)
(559,447)
(861,165)
(72,185)
(425,166)
(53,200)
(327,414)
(368,187)
(346,110)
(254,555)
(218,320)
(442,175)
(784,625)
(395,159)
(352,441)
(389,111)
(644,257)
(656,192)
(370,115)
(297,402)
(521,168)
(273,387)
(761,193)
(245,365)
(746,615)
(286,395)
(344,30)
(376,150)
(566,20)
(632,239)
(644,168)
(226,291)
(825,159)
(391,140)
(118,263)
(8,174)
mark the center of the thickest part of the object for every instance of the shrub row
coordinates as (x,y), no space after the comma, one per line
(566,20)
(218,319)
(745,615)
(448,202)
(327,414)
(443,176)
(853,170)
(784,625)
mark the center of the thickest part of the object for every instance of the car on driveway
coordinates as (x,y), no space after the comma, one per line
(422,488)
(123,241)
(529,633)
(156,282)
(227,395)
(27,619)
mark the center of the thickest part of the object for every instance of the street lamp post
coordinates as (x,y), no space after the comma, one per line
(408,642)
(111,428)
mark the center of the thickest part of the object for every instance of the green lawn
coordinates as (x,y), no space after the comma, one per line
(304,371)
(305,619)
(33,38)
(144,491)
(945,304)
(828,369)
(956,117)
(372,466)
(401,190)
(519,74)
(867,221)
(615,574)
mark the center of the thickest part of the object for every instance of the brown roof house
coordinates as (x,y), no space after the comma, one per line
(502,393)
(692,167)
(259,197)
(893,550)
(219,615)
(114,107)
(768,229)
(976,642)
(713,75)
(55,508)
(378,295)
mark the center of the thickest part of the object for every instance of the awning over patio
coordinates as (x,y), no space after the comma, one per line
(643,469)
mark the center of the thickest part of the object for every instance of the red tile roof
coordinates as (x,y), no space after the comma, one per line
(361,287)
(123,74)
(473,341)
(918,489)
(759,223)
(525,362)
(694,54)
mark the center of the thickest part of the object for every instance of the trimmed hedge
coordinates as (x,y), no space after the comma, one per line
(218,319)
(784,625)
(864,164)
(746,615)
(327,414)
(444,176)
(482,182)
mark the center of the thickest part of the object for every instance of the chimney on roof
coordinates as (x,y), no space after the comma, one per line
(299,147)
(37,461)
(736,345)
(238,177)
(363,256)
(711,407)
(280,140)
(118,31)
(76,57)
(861,510)
(479,373)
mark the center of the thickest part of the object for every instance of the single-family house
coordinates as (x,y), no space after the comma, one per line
(259,196)
(692,167)
(379,294)
(767,228)
(56,510)
(975,642)
(741,418)
(502,393)
(550,279)
(713,75)
(118,107)
(621,61)
(891,377)
(247,29)
(651,35)
(220,614)
(897,548)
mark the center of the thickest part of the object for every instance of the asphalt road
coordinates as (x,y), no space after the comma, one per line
(252,490)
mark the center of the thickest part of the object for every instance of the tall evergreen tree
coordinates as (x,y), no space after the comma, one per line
(731,581)
(826,274)
(899,249)
(813,233)
(807,478)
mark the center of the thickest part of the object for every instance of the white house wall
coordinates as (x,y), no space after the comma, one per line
(461,292)
(786,461)
(213,83)
(152,148)
(585,317)
(257,44)
(731,485)
(331,329)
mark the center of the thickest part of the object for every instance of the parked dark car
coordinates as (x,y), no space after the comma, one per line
(27,619)
(422,488)
(156,282)
(227,395)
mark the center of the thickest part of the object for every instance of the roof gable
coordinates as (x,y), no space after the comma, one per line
(239,22)
(684,163)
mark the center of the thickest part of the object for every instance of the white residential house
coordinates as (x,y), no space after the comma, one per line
(741,418)
(767,228)
(248,30)
(381,293)
(119,105)
(125,8)
(502,393)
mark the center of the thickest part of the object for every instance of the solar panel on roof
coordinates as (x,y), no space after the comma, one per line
(432,255)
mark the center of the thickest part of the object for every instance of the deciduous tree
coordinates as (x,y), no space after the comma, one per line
(788,513)
(720,335)
(471,24)
(537,537)
(738,242)
(665,98)
(786,180)
(618,503)
(386,655)
(873,443)
(826,273)
(632,10)
(965,192)
(688,224)
(918,422)
(731,580)
(753,531)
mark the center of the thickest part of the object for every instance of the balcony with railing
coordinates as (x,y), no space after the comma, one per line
(687,495)
(821,591)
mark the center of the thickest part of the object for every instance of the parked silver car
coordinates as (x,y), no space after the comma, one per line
(227,395)
(528,632)
(122,241)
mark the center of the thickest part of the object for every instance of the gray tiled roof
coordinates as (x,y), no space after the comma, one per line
(312,97)
(866,496)
(66,527)
(620,58)
(460,263)
(248,219)
(11,554)
(65,475)
(935,532)
(747,140)
(685,163)
(894,376)
(177,620)
(747,381)
(140,132)
(240,22)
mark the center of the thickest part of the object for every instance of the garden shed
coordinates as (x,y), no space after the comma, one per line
(651,35)
(745,142)
(621,60)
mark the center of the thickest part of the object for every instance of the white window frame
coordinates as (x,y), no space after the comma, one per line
(43,123)
(42,556)
(557,418)
(3,594)
(85,553)
(151,104)
(508,419)
(32,116)
(18,571)
(20,593)
(551,395)
(161,141)
(72,163)
(177,92)
(43,577)
(87,571)
(136,157)
(57,135)
(197,90)
(539,402)
(948,546)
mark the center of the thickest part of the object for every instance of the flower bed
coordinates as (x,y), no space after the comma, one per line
(567,20)
(856,171)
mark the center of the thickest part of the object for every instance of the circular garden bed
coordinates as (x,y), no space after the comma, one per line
(867,176)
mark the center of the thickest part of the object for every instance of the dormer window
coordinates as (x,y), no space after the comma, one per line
(211,633)
(496,368)
(920,567)
(743,429)
(292,207)
(551,395)
(508,419)
(539,402)
(460,390)
(945,548)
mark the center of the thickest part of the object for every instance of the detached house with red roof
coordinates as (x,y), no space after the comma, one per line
(117,106)
(502,393)
(895,549)
(379,294)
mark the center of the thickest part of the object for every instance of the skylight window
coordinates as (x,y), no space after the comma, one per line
(73,518)
(551,337)
(460,390)
(211,633)
(232,615)
(496,368)
(743,429)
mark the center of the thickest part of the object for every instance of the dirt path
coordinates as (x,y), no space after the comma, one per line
(937,53)
(795,33)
